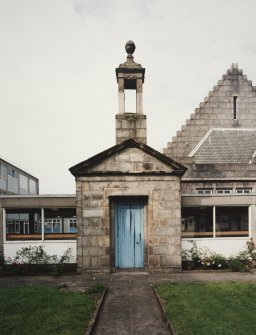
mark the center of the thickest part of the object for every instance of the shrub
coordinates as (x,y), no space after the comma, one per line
(35,260)
(203,258)
(237,264)
(95,288)
(37,255)
(191,258)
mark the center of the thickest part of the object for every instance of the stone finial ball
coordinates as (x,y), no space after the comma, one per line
(130,47)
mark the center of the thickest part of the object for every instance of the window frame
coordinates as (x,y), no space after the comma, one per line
(216,233)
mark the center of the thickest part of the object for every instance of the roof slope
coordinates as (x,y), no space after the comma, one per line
(217,111)
(143,159)
(221,146)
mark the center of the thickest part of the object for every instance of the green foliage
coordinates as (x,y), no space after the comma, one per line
(44,310)
(66,257)
(37,255)
(210,308)
(237,264)
(95,288)
(203,258)
(1,256)
(35,260)
(34,255)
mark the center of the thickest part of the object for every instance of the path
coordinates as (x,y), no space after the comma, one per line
(130,308)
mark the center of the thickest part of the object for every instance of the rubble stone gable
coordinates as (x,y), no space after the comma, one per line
(217,111)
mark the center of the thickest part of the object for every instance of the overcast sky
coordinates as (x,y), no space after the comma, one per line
(58,91)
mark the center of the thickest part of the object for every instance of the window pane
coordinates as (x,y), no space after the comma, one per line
(223,190)
(231,221)
(23,224)
(197,221)
(59,221)
(243,190)
(23,184)
(32,186)
(204,191)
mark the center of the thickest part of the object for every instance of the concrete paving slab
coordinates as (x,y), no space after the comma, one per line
(130,308)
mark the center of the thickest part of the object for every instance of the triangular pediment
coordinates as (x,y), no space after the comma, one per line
(129,157)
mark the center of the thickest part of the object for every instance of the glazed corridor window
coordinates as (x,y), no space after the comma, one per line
(22,223)
(231,221)
(40,223)
(197,221)
(202,222)
(59,221)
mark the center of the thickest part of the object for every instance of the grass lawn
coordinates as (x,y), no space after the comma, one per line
(210,308)
(44,310)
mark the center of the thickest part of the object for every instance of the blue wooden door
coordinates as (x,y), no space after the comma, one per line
(129,237)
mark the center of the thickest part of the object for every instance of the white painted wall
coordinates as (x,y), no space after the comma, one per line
(51,247)
(223,246)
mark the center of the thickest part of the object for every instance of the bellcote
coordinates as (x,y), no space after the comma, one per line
(130,76)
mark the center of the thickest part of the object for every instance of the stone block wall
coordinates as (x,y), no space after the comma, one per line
(162,234)
(216,112)
(131,125)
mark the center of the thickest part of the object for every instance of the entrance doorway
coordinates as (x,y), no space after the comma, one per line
(129,235)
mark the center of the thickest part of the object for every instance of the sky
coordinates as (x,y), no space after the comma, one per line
(58,91)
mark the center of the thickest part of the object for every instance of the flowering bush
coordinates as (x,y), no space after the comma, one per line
(37,255)
(35,260)
(203,258)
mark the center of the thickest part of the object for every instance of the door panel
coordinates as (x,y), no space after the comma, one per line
(129,237)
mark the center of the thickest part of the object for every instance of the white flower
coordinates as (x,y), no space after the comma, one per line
(208,264)
(219,265)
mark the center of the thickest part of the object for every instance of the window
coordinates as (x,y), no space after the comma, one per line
(204,190)
(23,223)
(11,172)
(72,225)
(243,190)
(2,171)
(23,184)
(26,223)
(59,221)
(13,226)
(32,186)
(53,225)
(234,107)
(17,223)
(231,221)
(224,190)
(197,221)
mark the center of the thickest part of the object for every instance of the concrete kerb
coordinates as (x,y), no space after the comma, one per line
(168,322)
(93,323)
